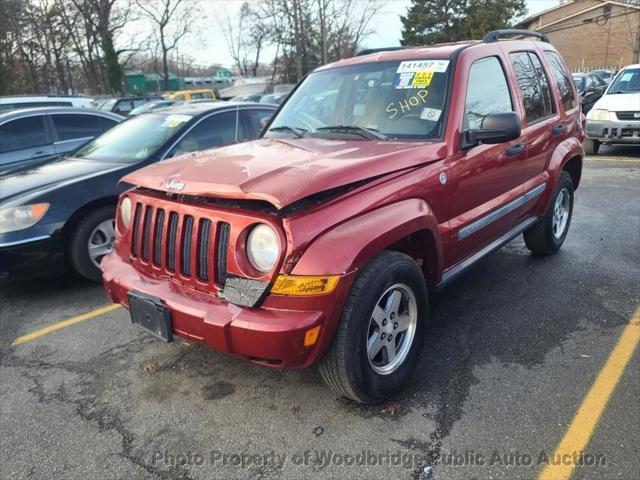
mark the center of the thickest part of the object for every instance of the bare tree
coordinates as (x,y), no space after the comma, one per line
(172,20)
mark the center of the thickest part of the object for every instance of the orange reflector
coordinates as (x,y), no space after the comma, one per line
(311,337)
(304,285)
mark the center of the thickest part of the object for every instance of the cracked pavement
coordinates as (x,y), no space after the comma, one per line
(510,352)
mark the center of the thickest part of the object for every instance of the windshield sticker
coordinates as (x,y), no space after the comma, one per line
(172,121)
(403,80)
(419,79)
(432,114)
(413,66)
(406,105)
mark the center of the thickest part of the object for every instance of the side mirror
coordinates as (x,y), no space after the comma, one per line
(495,128)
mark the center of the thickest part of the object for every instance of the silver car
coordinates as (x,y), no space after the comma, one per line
(36,135)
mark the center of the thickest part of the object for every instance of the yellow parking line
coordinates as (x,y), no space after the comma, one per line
(593,405)
(612,159)
(65,323)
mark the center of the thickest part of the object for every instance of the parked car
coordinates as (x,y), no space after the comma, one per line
(32,101)
(590,87)
(125,105)
(615,118)
(185,95)
(319,242)
(37,135)
(151,105)
(248,98)
(273,98)
(63,211)
(605,74)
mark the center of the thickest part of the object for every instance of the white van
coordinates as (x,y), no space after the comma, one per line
(29,101)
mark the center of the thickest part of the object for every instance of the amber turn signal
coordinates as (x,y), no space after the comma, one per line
(305,285)
(311,337)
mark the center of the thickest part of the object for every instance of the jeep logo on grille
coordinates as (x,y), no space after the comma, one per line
(175,185)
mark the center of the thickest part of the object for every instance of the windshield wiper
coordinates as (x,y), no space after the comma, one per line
(297,131)
(370,133)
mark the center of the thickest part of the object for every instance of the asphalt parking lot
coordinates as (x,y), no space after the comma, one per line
(513,350)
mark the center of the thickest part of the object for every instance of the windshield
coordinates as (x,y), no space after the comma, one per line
(579,81)
(134,140)
(385,100)
(628,81)
(108,105)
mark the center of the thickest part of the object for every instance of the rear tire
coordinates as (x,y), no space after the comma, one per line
(547,236)
(94,231)
(591,147)
(387,299)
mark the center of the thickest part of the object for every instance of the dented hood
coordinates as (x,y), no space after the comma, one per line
(282,171)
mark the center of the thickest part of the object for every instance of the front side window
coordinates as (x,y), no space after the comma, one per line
(384,100)
(533,84)
(256,119)
(487,92)
(563,80)
(214,131)
(134,140)
(23,133)
(71,127)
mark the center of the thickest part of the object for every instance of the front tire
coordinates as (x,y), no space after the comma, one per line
(90,240)
(547,236)
(591,147)
(379,337)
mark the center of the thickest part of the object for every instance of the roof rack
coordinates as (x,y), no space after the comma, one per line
(497,34)
(368,51)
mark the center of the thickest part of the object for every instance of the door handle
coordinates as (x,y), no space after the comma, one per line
(516,149)
(38,153)
(558,129)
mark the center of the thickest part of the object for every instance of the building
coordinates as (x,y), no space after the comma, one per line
(139,83)
(592,33)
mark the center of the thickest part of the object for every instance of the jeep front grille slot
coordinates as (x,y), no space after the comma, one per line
(157,237)
(172,235)
(204,249)
(134,232)
(222,241)
(185,246)
(189,246)
(146,230)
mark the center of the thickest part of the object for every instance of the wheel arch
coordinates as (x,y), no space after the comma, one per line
(409,226)
(85,209)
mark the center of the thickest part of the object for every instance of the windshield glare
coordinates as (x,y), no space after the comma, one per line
(400,100)
(628,81)
(134,140)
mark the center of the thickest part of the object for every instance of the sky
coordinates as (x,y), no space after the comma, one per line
(209,46)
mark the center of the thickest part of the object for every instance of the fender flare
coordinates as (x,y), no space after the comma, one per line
(348,246)
(566,150)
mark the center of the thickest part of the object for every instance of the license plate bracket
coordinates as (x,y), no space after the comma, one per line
(149,313)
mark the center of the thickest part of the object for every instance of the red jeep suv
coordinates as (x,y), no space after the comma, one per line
(381,177)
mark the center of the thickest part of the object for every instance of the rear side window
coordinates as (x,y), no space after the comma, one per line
(123,107)
(487,92)
(23,133)
(214,131)
(255,118)
(533,86)
(562,79)
(71,127)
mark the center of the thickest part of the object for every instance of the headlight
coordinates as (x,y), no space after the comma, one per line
(598,115)
(262,248)
(125,212)
(19,218)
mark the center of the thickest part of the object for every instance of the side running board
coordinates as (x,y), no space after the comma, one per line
(452,273)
